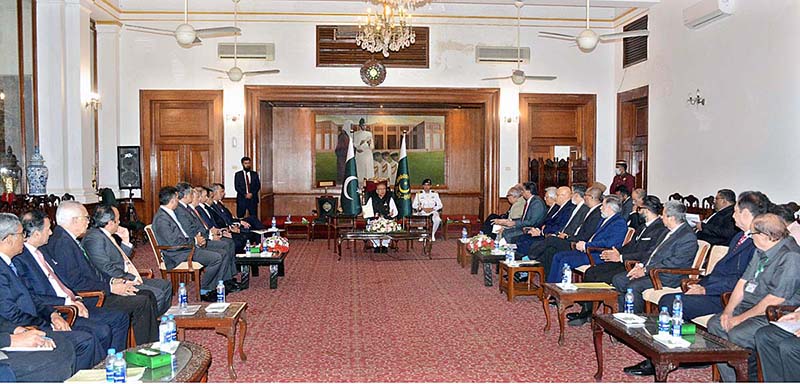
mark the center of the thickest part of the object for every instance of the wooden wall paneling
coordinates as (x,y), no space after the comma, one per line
(169,154)
(293,129)
(464,150)
(266,164)
(633,132)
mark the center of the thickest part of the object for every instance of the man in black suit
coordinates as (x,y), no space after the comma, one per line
(168,231)
(719,228)
(532,216)
(247,186)
(211,218)
(72,265)
(644,241)
(223,216)
(37,366)
(627,203)
(635,220)
(113,259)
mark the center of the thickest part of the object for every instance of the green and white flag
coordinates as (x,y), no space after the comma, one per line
(351,197)
(403,192)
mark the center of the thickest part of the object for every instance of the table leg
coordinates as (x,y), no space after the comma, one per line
(488,278)
(540,289)
(281,271)
(474,267)
(740,366)
(242,334)
(663,368)
(254,268)
(338,246)
(273,277)
(181,333)
(230,334)
(562,319)
(597,332)
(546,305)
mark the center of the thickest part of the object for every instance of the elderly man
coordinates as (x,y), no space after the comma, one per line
(114,259)
(72,266)
(428,203)
(550,202)
(772,278)
(532,216)
(382,205)
(779,350)
(514,197)
(610,233)
(552,225)
(719,228)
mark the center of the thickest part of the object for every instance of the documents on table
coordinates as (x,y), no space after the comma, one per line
(217,307)
(188,311)
(134,375)
(629,319)
(600,285)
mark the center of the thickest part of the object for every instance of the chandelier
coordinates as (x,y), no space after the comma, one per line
(404,4)
(387,31)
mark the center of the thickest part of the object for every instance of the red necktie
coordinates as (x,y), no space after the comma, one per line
(247,182)
(741,241)
(525,211)
(199,217)
(50,274)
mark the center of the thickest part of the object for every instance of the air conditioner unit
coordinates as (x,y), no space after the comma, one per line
(247,51)
(501,54)
(706,12)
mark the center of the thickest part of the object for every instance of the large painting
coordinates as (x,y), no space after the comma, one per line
(377,140)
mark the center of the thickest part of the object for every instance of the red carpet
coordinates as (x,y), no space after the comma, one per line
(412,319)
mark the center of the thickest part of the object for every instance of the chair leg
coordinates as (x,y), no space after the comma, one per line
(197,280)
(131,337)
(648,307)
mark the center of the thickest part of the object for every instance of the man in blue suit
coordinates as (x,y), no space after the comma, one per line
(704,298)
(36,366)
(19,308)
(552,225)
(610,233)
(532,216)
(247,185)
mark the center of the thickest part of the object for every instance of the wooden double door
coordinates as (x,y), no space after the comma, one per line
(633,132)
(182,140)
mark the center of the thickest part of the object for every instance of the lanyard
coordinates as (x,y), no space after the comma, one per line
(762,263)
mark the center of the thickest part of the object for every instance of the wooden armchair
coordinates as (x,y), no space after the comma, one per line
(653,295)
(184,272)
(337,224)
(676,196)
(775,312)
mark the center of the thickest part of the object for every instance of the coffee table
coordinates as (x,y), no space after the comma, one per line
(225,324)
(358,235)
(705,348)
(193,363)
(251,261)
(505,279)
(298,230)
(486,259)
(566,299)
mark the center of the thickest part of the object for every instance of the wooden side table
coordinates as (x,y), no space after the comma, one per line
(566,299)
(462,256)
(226,324)
(507,284)
(298,230)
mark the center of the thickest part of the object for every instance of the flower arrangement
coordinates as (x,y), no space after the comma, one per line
(277,244)
(382,225)
(480,243)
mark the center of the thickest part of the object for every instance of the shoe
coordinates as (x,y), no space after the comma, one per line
(577,315)
(384,249)
(231,286)
(578,321)
(209,297)
(645,368)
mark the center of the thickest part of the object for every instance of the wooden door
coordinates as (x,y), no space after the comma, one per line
(181,138)
(632,132)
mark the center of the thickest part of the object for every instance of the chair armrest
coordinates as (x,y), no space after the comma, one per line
(189,263)
(629,264)
(725,298)
(100,295)
(774,312)
(70,311)
(589,251)
(685,283)
(145,273)
(656,279)
(174,247)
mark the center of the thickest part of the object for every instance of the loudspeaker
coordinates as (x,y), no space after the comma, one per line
(129,169)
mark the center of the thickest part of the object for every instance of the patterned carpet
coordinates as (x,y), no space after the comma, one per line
(373,318)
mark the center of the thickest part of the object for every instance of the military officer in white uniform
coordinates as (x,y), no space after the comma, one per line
(427,202)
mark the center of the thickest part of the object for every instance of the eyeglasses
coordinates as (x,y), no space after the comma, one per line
(20,234)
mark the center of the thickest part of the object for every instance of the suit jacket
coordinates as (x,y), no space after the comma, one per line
(720,228)
(677,251)
(551,211)
(105,256)
(644,241)
(577,220)
(190,223)
(635,220)
(627,207)
(34,278)
(16,303)
(534,217)
(240,185)
(557,222)
(168,233)
(610,233)
(588,227)
(225,215)
(205,214)
(730,268)
(72,266)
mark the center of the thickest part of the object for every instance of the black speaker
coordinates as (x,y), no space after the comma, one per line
(129,169)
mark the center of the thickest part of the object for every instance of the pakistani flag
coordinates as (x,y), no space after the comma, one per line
(351,199)
(403,183)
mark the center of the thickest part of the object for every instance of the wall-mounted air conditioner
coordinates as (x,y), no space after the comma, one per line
(247,51)
(706,12)
(501,54)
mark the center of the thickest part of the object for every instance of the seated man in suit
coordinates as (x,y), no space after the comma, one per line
(169,231)
(109,327)
(191,222)
(72,265)
(641,245)
(56,365)
(114,259)
(532,216)
(20,309)
(610,233)
(517,205)
(549,198)
(552,225)
(217,194)
(213,220)
(720,227)
(624,195)
(779,351)
(383,205)
(704,298)
(772,278)
(634,219)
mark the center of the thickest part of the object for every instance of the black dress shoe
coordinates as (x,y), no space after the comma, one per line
(209,297)
(232,286)
(578,321)
(645,368)
(575,315)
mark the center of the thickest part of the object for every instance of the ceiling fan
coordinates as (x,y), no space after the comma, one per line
(587,40)
(186,35)
(235,73)
(518,76)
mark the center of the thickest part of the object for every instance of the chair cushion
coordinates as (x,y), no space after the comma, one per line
(182,267)
(653,296)
(702,320)
(583,268)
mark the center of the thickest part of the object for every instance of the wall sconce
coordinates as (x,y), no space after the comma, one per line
(234,117)
(93,102)
(508,119)
(696,99)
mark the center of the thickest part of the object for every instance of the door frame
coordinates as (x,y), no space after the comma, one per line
(632,96)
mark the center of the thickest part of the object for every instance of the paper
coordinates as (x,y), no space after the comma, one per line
(217,307)
(188,311)
(788,326)
(496,228)
(134,375)
(593,286)
(629,318)
(672,341)
(567,286)
(692,219)
(25,349)
(366,210)
(259,231)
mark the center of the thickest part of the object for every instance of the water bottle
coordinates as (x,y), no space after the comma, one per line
(163,333)
(173,330)
(663,322)
(120,368)
(247,247)
(629,301)
(677,316)
(509,257)
(464,233)
(220,292)
(110,365)
(289,219)
(274,222)
(183,298)
(566,277)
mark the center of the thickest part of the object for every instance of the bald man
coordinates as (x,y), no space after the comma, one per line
(552,225)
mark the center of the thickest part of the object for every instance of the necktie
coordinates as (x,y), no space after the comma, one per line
(129,267)
(13,269)
(194,210)
(741,241)
(657,248)
(52,276)
(247,182)
(89,262)
(596,231)
(525,211)
(175,219)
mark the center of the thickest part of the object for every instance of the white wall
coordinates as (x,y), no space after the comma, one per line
(747,66)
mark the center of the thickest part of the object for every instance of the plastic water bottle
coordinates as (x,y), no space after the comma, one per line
(247,247)
(183,298)
(274,222)
(464,233)
(220,292)
(110,365)
(509,257)
(566,277)
(289,218)
(120,368)
(677,316)
(173,330)
(163,333)
(663,322)
(629,301)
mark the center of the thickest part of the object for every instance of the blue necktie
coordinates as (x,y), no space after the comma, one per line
(13,269)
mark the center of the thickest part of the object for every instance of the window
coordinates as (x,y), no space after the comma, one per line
(634,49)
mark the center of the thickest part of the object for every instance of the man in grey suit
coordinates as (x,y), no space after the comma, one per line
(113,258)
(168,231)
(532,216)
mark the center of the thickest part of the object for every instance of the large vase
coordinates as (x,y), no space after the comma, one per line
(37,174)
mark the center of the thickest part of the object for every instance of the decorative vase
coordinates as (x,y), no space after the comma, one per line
(10,173)
(37,174)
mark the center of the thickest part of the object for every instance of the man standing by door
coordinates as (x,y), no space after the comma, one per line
(247,184)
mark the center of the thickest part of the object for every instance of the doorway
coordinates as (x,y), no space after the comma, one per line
(632,132)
